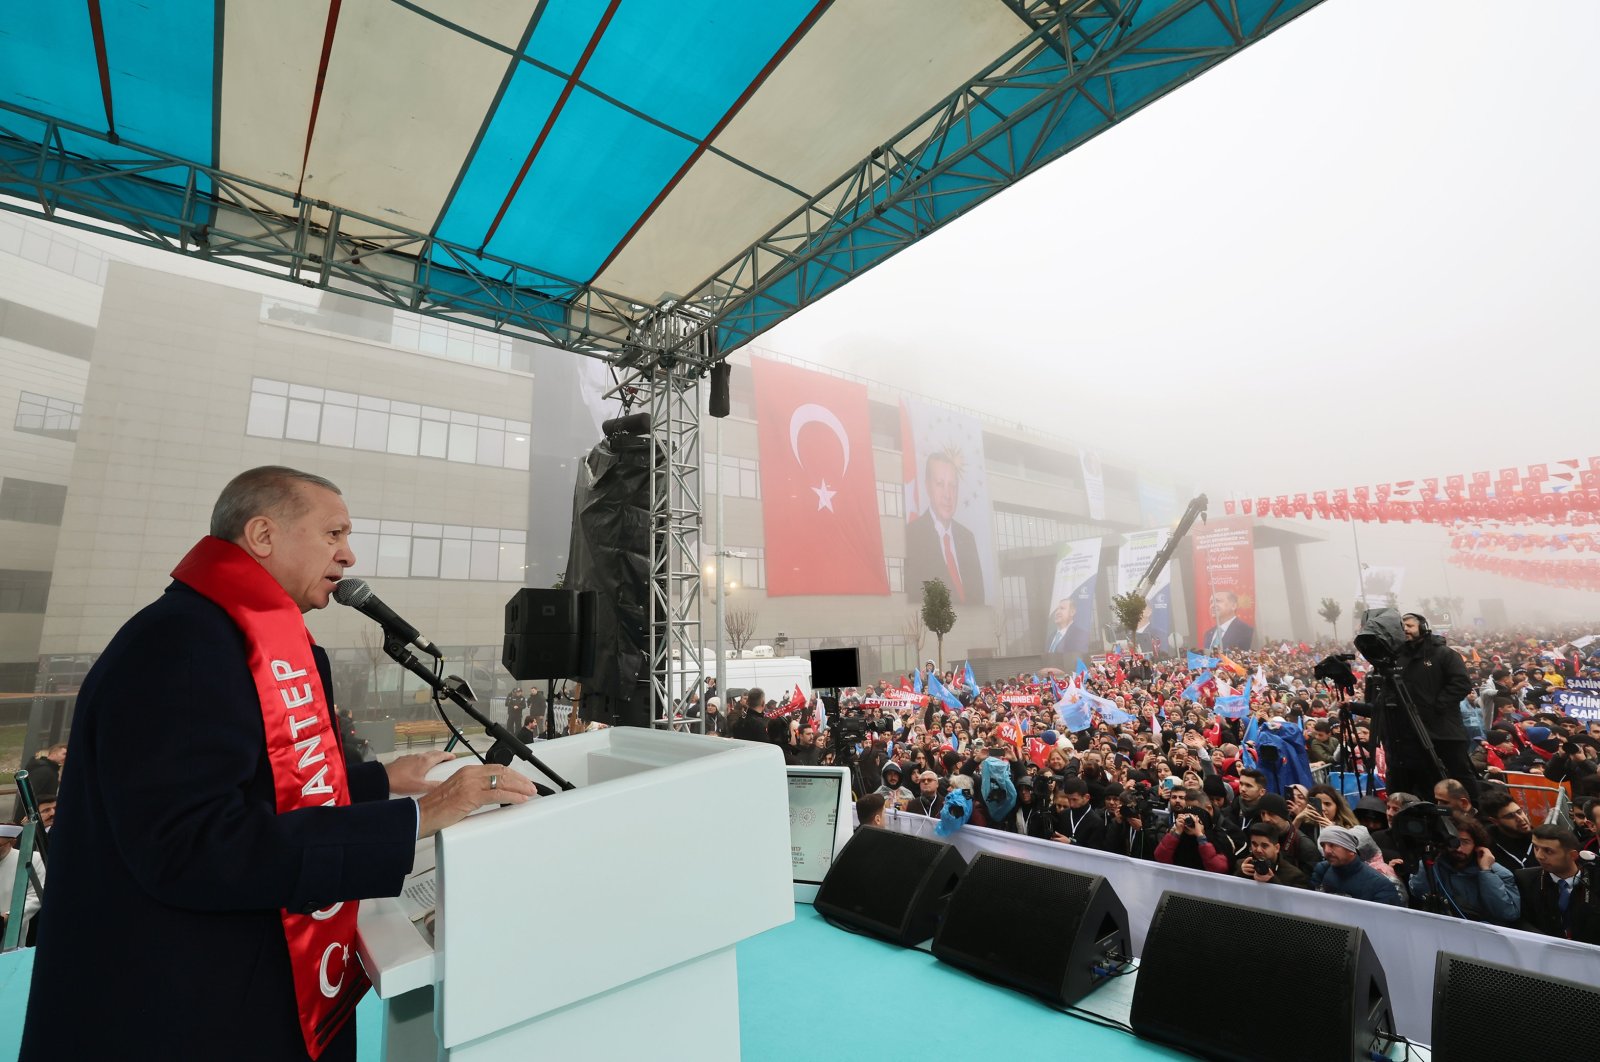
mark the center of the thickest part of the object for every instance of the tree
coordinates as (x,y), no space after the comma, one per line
(741,625)
(1331,611)
(372,644)
(938,615)
(1129,610)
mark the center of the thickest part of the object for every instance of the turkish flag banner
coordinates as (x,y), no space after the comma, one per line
(819,495)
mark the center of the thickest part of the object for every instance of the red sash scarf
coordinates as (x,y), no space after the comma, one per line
(308,768)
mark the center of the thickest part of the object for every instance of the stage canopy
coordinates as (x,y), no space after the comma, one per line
(577,171)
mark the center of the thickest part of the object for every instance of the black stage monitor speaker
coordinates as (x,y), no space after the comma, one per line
(891,885)
(549,634)
(1339,987)
(835,669)
(1076,928)
(1484,1010)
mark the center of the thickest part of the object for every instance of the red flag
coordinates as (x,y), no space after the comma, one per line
(1010,733)
(905,684)
(1228,507)
(1038,752)
(819,495)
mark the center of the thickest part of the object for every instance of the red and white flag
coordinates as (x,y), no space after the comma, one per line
(819,497)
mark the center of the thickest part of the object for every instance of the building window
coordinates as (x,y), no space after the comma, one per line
(281,410)
(891,498)
(23,591)
(740,477)
(407,331)
(54,418)
(897,574)
(29,502)
(397,549)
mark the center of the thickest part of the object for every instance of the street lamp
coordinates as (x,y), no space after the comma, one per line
(780,643)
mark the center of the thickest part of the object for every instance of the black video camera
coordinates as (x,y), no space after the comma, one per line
(1336,669)
(1422,830)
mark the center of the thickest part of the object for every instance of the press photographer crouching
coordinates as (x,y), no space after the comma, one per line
(1464,879)
(1414,698)
(1264,862)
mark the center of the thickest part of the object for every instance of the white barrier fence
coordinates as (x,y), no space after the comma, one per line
(1407,942)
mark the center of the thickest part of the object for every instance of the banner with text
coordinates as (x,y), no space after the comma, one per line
(819,492)
(1139,548)
(1071,628)
(1225,583)
(949,522)
(1579,704)
(1381,585)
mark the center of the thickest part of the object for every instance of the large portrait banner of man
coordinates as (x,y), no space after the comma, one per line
(1072,626)
(1225,584)
(949,521)
(1139,548)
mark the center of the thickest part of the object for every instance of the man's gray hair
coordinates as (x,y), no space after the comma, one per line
(271,490)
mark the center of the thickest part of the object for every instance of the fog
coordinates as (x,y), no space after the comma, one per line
(1358,252)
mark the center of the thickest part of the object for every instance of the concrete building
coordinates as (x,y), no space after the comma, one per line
(132,395)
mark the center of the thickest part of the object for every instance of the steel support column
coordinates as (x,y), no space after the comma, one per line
(669,387)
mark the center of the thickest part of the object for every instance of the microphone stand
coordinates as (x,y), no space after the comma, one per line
(397,651)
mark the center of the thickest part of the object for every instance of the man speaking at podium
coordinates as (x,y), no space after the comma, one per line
(210,840)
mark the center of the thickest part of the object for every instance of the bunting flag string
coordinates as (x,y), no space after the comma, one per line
(1566,574)
(1559,492)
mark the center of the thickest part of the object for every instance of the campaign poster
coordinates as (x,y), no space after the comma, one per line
(1579,704)
(1154,634)
(949,521)
(1381,586)
(1094,483)
(1225,583)
(1071,628)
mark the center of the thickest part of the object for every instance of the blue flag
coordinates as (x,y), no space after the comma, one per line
(1234,706)
(916,682)
(1075,714)
(1246,757)
(1081,668)
(1192,692)
(1035,678)
(972,681)
(939,690)
(1196,660)
(1110,713)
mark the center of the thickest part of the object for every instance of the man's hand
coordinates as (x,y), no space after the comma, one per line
(1485,859)
(468,790)
(1265,876)
(408,775)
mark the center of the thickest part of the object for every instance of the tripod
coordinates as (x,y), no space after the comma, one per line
(1392,682)
(1367,779)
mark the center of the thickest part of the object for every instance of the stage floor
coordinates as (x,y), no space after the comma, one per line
(808,991)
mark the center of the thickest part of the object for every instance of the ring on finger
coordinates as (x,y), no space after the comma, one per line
(494,781)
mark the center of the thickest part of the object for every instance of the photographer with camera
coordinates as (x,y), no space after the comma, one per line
(1189,843)
(1435,678)
(1466,881)
(1134,826)
(1559,898)
(1263,863)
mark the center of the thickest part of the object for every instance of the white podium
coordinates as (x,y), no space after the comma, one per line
(597,923)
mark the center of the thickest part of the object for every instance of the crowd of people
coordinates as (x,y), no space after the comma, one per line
(1181,781)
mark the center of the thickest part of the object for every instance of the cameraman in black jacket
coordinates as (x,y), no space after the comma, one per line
(1437,679)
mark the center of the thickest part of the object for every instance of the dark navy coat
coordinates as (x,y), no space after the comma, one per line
(160,935)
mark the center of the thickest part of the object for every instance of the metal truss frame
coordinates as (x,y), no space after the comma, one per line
(149,196)
(1051,92)
(669,386)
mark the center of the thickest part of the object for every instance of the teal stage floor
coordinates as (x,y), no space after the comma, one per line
(809,992)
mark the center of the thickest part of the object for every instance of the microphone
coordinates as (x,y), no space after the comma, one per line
(359,596)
